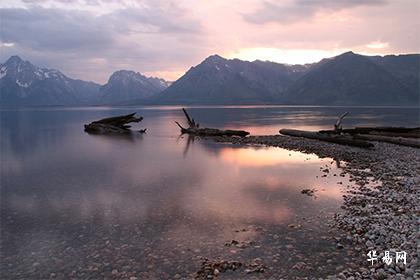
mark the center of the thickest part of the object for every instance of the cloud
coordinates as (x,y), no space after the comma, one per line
(300,10)
(143,37)
(90,39)
(53,29)
(377,45)
(159,19)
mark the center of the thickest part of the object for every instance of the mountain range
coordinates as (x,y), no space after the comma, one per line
(347,79)
(221,81)
(352,79)
(125,86)
(22,83)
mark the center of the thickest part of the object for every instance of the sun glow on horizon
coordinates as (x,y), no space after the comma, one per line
(377,45)
(169,76)
(287,56)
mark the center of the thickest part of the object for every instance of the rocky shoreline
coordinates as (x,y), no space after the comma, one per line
(380,212)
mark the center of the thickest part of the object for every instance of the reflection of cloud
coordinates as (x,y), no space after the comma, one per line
(262,157)
(271,182)
(139,182)
(259,184)
(104,179)
(230,202)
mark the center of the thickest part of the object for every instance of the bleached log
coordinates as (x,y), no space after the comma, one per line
(337,127)
(408,132)
(394,140)
(333,138)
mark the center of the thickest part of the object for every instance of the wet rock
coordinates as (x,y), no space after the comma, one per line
(211,268)
(381,208)
(294,226)
(309,192)
(299,266)
(232,243)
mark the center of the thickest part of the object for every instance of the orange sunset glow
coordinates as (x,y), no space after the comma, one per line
(263,156)
(164,38)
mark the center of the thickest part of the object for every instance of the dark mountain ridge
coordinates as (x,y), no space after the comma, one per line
(125,85)
(217,80)
(22,83)
(347,79)
(352,79)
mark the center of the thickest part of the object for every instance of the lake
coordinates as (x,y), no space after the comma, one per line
(79,206)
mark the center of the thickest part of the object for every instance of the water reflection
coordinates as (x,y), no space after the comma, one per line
(204,183)
(72,201)
(258,157)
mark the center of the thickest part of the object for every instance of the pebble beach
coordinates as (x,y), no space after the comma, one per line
(381,209)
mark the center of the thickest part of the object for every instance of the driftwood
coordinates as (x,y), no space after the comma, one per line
(194,129)
(333,137)
(383,131)
(337,127)
(114,125)
(395,135)
(394,140)
(191,121)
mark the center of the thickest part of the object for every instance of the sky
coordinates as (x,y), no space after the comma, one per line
(90,39)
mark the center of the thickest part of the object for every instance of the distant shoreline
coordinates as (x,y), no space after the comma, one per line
(207,106)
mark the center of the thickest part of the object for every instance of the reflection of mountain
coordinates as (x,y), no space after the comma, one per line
(25,132)
(80,165)
(118,200)
(36,130)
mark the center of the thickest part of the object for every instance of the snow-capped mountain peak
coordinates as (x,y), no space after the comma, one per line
(25,74)
(23,83)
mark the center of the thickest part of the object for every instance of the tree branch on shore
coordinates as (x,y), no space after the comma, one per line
(193,128)
(337,127)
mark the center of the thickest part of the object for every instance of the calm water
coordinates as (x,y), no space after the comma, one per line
(79,206)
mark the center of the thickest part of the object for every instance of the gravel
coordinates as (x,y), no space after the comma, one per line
(380,212)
